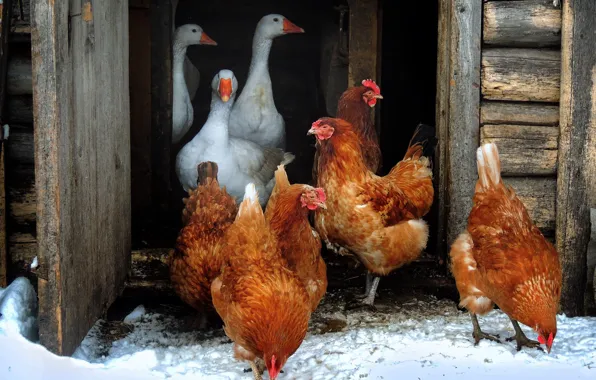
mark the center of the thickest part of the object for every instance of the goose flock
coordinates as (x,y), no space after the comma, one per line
(244,133)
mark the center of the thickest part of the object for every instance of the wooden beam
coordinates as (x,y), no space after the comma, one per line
(161,102)
(521,74)
(458,109)
(577,149)
(82,163)
(528,23)
(364,46)
(521,113)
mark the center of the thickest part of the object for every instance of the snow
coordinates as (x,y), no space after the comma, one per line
(18,309)
(409,337)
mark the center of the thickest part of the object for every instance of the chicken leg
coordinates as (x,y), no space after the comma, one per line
(479,334)
(258,374)
(368,300)
(521,338)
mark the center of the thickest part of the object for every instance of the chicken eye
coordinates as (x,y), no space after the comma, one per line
(194,30)
(276,19)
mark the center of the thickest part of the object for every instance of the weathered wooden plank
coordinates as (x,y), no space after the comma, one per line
(590,296)
(161,102)
(577,149)
(520,113)
(538,194)
(82,164)
(521,74)
(18,81)
(3,231)
(525,150)
(462,112)
(364,46)
(527,23)
(19,109)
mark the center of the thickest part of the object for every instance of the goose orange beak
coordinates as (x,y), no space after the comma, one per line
(290,27)
(206,40)
(225,89)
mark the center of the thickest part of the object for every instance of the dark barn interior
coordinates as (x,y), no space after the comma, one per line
(309,72)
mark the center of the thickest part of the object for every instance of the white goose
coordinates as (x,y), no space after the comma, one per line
(254,116)
(239,161)
(191,73)
(182,110)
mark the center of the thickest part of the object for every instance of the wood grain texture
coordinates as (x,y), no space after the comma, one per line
(521,74)
(538,194)
(525,150)
(82,163)
(18,81)
(527,23)
(521,113)
(462,108)
(19,109)
(577,149)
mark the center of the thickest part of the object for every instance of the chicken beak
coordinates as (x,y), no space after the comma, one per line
(378,96)
(311,131)
(225,89)
(206,40)
(322,205)
(290,27)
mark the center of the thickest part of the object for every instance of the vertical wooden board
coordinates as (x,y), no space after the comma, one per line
(364,45)
(577,148)
(463,107)
(3,255)
(82,163)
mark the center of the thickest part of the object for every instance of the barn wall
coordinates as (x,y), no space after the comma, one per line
(519,109)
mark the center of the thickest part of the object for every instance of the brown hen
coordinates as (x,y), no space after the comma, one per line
(503,258)
(287,215)
(264,305)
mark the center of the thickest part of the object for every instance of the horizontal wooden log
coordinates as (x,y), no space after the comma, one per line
(521,74)
(19,109)
(524,150)
(520,113)
(538,194)
(18,81)
(528,23)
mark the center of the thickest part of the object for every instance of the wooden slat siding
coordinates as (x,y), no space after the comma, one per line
(462,109)
(3,218)
(521,74)
(140,106)
(161,102)
(442,121)
(82,162)
(577,149)
(18,80)
(364,46)
(527,23)
(519,113)
(525,150)
(538,194)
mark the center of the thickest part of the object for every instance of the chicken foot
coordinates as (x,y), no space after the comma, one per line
(256,371)
(478,334)
(521,338)
(368,300)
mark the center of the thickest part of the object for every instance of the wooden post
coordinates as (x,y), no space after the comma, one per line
(364,46)
(5,14)
(161,101)
(577,148)
(458,120)
(82,163)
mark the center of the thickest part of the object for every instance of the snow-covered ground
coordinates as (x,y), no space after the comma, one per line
(409,337)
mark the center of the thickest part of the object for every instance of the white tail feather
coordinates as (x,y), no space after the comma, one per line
(250,192)
(489,165)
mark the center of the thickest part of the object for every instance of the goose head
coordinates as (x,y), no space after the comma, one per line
(192,34)
(224,85)
(274,25)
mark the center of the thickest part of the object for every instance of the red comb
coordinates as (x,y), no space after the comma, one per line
(317,123)
(372,85)
(541,339)
(321,194)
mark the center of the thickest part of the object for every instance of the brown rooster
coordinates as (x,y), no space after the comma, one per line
(503,258)
(354,106)
(287,215)
(264,305)
(376,218)
(195,261)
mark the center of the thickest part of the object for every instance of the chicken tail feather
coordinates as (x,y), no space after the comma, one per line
(423,142)
(207,169)
(489,165)
(288,157)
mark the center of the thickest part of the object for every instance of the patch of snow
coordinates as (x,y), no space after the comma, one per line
(18,309)
(417,339)
(34,263)
(135,315)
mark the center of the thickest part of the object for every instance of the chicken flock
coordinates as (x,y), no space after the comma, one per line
(249,250)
